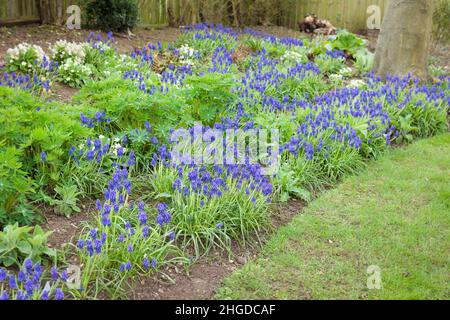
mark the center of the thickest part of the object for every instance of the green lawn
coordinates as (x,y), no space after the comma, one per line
(395,215)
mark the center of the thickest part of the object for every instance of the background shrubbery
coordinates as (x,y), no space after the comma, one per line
(112,15)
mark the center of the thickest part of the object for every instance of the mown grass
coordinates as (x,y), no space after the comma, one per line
(395,215)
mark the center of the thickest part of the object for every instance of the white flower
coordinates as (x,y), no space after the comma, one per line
(63,50)
(17,53)
(356,83)
(346,71)
(293,56)
(336,76)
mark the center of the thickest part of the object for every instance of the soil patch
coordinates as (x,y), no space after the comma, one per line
(206,275)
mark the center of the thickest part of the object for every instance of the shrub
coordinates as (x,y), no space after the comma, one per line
(112,15)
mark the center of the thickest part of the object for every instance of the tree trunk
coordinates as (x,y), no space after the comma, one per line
(405,38)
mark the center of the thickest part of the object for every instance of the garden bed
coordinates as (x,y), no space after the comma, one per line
(105,151)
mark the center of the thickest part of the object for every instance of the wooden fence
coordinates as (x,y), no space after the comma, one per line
(18,11)
(350,14)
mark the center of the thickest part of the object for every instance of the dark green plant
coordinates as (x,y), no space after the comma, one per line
(15,185)
(112,15)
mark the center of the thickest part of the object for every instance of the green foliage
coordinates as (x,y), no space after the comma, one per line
(15,186)
(441,21)
(29,128)
(18,243)
(65,199)
(112,15)
(329,65)
(128,107)
(74,74)
(208,97)
(347,42)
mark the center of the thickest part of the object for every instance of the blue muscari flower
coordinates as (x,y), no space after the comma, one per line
(43,156)
(3,274)
(171,235)
(132,159)
(145,263)
(128,266)
(103,237)
(80,244)
(59,294)
(93,233)
(142,218)
(21,276)
(130,248)
(72,150)
(64,275)
(121,238)
(54,274)
(122,267)
(147,126)
(219,225)
(153,264)
(98,246)
(89,248)
(29,287)
(4,295)
(12,282)
(44,295)
(90,155)
(98,205)
(20,295)
(145,232)
(120,151)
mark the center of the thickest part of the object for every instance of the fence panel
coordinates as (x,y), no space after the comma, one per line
(350,14)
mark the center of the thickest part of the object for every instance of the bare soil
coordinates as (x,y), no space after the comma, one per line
(65,229)
(45,35)
(206,275)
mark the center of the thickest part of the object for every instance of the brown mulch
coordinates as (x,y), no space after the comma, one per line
(65,229)
(45,35)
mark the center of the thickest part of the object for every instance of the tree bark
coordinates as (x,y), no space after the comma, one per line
(405,38)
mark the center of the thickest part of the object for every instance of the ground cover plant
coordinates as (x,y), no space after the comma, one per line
(113,144)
